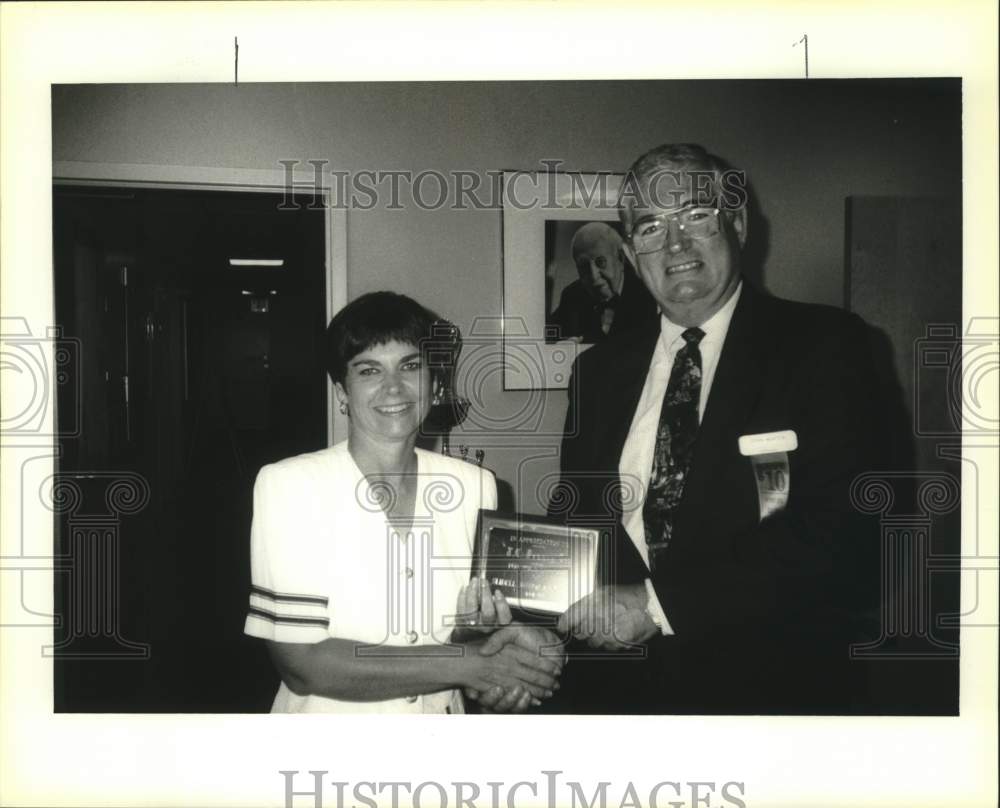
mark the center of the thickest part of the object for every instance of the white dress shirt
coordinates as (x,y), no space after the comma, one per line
(637,454)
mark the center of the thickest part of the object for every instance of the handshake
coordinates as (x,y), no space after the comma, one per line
(512,667)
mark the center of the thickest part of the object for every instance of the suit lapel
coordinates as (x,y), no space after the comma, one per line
(735,390)
(623,390)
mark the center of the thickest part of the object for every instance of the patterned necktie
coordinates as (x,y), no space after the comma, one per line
(675,438)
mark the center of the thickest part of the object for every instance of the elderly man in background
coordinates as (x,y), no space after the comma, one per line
(737,573)
(607,298)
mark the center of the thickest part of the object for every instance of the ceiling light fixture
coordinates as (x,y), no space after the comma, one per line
(256,262)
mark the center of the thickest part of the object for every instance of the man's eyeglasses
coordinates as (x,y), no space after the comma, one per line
(649,235)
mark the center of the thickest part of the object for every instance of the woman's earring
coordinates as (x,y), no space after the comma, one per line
(343,408)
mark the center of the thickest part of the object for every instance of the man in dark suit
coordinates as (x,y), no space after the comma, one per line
(718,449)
(607,298)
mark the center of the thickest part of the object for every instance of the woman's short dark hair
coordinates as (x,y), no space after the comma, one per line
(380,317)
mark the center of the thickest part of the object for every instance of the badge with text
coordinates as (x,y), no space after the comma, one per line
(538,564)
(768,452)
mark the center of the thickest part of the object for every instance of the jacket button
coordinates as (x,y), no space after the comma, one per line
(412,637)
(409,572)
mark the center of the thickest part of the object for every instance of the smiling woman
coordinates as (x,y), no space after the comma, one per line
(387,391)
(362,552)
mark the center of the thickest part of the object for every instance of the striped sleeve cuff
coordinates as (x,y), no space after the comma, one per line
(287,617)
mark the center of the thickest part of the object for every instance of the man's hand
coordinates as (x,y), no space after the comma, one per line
(498,700)
(510,668)
(534,645)
(611,618)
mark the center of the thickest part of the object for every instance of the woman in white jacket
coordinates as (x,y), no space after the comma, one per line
(361,552)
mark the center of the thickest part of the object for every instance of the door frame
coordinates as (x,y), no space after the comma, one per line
(208,178)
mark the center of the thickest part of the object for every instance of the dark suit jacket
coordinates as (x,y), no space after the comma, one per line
(579,316)
(763,612)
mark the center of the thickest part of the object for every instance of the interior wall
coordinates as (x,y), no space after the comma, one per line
(807,146)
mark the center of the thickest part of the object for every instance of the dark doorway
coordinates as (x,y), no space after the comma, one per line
(192,374)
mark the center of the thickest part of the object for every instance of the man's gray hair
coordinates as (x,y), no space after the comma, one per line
(673,156)
(691,158)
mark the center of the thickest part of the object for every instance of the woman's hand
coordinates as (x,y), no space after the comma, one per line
(478,610)
(497,700)
(510,667)
(545,652)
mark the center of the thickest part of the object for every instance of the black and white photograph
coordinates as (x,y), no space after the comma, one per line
(205,329)
(289,347)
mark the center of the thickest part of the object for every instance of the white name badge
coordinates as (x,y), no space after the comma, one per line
(768,443)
